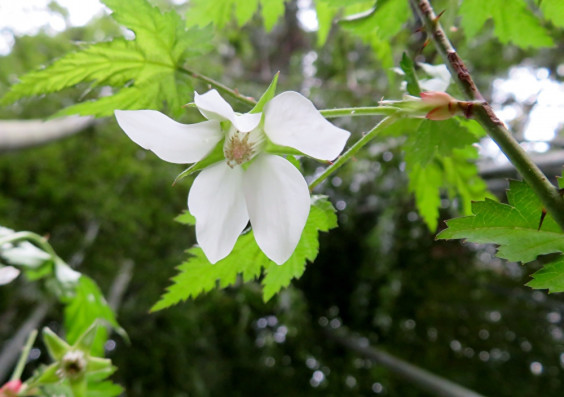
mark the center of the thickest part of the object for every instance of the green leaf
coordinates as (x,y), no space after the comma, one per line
(221,12)
(322,218)
(553,10)
(271,10)
(343,3)
(408,67)
(513,22)
(186,218)
(550,277)
(56,346)
(146,72)
(436,138)
(104,389)
(197,275)
(425,183)
(461,178)
(513,226)
(437,155)
(325,16)
(84,308)
(387,19)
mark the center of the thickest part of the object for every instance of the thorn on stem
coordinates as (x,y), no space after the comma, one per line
(436,19)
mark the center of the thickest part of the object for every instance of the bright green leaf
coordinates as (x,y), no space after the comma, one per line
(438,155)
(221,12)
(387,19)
(426,182)
(408,68)
(197,275)
(271,10)
(550,277)
(513,226)
(325,16)
(436,138)
(84,308)
(146,72)
(513,22)
(321,219)
(553,10)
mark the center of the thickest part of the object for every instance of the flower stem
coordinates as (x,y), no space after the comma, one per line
(385,123)
(356,112)
(484,114)
(219,86)
(17,374)
(33,237)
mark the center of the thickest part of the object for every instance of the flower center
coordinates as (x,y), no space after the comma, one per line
(241,147)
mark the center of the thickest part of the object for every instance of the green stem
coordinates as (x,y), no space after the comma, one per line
(220,87)
(33,237)
(484,114)
(357,112)
(328,113)
(17,374)
(385,123)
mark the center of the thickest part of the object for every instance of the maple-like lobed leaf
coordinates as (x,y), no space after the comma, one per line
(513,22)
(222,12)
(88,305)
(513,226)
(144,71)
(438,155)
(550,277)
(197,275)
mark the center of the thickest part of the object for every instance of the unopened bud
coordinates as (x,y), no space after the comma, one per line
(443,105)
(11,388)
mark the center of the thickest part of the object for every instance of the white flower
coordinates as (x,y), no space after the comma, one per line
(250,184)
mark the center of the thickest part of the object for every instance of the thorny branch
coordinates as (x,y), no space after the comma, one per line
(484,114)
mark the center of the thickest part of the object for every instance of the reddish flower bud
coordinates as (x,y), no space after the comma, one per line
(11,388)
(444,106)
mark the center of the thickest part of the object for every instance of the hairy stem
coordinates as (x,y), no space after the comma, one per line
(220,87)
(357,112)
(33,237)
(353,150)
(17,374)
(484,114)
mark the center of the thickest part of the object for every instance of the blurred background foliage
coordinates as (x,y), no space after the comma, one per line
(108,207)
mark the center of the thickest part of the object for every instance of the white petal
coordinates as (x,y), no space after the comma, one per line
(217,202)
(8,274)
(66,274)
(214,107)
(171,141)
(278,203)
(292,120)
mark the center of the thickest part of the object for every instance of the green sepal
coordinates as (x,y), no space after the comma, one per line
(98,364)
(267,96)
(186,218)
(78,386)
(49,375)
(295,162)
(86,340)
(55,345)
(273,148)
(408,67)
(213,157)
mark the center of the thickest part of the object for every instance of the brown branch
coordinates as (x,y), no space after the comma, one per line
(484,114)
